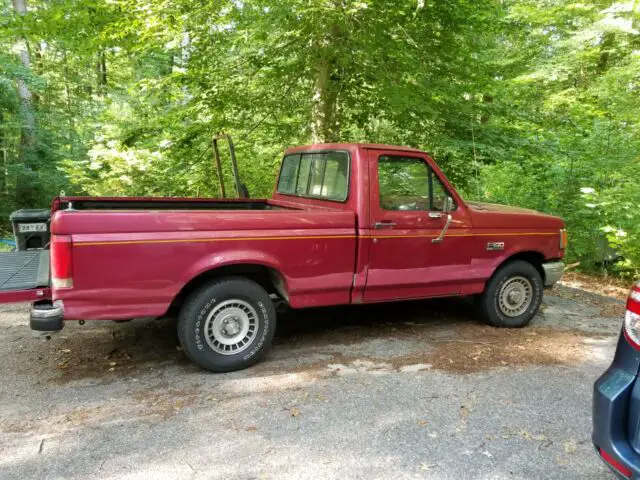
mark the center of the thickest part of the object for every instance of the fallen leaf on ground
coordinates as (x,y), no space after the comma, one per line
(294,412)
(570,446)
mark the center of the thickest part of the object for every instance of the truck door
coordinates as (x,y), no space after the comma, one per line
(407,258)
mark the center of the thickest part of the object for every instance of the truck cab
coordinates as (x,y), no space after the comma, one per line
(417,237)
(346,224)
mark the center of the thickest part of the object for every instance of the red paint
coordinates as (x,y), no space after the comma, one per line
(133,263)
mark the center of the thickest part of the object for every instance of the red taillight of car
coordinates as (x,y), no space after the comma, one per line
(615,464)
(632,317)
(564,240)
(61,264)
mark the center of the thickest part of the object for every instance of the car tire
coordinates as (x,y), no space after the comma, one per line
(512,296)
(227,325)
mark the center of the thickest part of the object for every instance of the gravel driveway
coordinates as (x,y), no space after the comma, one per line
(409,390)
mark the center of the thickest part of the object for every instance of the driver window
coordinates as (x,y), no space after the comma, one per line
(403,183)
(408,183)
(438,192)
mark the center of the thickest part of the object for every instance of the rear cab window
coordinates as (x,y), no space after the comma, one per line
(322,175)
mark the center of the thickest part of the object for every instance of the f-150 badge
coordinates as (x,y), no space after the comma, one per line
(495,246)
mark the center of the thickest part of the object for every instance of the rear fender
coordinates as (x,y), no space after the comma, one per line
(237,257)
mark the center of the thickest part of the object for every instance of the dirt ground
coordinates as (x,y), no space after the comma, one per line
(401,390)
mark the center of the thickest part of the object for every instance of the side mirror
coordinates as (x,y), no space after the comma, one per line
(448,204)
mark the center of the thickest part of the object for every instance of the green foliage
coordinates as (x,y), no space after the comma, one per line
(565,122)
(529,102)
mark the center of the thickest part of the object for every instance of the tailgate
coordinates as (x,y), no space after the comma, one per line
(24,276)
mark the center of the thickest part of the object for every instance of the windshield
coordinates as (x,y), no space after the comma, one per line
(318,175)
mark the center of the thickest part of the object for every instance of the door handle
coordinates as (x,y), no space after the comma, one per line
(435,215)
(444,230)
(384,224)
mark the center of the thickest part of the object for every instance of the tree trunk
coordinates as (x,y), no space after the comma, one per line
(324,115)
(484,118)
(65,76)
(27,133)
(605,51)
(101,73)
(185,49)
(3,158)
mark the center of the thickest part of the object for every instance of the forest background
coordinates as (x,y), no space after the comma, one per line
(533,103)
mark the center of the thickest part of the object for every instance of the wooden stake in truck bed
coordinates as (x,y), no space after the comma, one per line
(347,224)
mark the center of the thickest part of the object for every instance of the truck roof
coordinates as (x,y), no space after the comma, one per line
(349,146)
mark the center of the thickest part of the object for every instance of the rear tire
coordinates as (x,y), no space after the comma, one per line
(513,295)
(227,325)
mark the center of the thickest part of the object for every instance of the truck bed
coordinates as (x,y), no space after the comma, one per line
(160,203)
(132,257)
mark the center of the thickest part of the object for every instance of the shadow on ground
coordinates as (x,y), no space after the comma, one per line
(98,349)
(444,334)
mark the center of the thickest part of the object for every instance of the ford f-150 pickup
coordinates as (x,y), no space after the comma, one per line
(347,224)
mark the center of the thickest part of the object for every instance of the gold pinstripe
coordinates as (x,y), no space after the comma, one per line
(306,237)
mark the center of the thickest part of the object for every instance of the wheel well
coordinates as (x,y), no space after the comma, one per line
(534,258)
(268,278)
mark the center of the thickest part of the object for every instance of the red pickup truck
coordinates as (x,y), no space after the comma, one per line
(347,224)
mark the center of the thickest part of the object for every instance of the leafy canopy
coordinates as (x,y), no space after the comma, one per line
(528,102)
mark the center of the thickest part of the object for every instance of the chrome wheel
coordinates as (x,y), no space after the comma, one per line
(231,327)
(515,296)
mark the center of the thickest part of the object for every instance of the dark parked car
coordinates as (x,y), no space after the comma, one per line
(616,399)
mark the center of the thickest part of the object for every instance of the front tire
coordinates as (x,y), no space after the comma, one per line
(227,325)
(513,295)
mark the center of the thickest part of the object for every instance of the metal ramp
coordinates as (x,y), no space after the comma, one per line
(24,270)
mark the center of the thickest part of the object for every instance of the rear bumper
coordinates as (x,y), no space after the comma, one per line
(552,272)
(611,395)
(46,316)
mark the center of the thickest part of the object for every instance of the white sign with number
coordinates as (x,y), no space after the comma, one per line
(32,227)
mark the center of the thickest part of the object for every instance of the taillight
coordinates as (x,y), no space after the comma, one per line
(632,317)
(619,467)
(564,240)
(61,265)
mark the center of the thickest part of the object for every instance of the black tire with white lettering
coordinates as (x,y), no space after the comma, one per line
(227,325)
(513,295)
